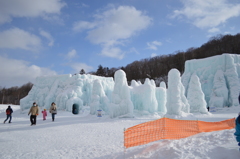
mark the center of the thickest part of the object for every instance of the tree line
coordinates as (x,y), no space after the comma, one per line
(14,94)
(158,67)
(155,68)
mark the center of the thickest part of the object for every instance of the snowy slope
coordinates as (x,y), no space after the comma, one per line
(87,136)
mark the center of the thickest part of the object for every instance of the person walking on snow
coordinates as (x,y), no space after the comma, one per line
(237,133)
(53,110)
(44,112)
(9,112)
(34,113)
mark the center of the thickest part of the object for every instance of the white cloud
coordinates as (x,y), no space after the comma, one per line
(168,40)
(213,30)
(28,8)
(133,50)
(54,19)
(112,26)
(18,72)
(153,45)
(227,32)
(111,51)
(82,25)
(75,65)
(153,54)
(19,39)
(71,54)
(48,36)
(118,23)
(78,66)
(206,13)
(85,5)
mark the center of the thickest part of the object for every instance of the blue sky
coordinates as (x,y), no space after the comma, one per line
(49,37)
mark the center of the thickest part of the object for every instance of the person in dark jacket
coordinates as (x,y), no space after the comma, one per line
(9,112)
(237,133)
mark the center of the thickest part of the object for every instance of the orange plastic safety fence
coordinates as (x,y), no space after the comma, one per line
(166,128)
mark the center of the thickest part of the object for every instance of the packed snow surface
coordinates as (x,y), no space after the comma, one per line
(86,136)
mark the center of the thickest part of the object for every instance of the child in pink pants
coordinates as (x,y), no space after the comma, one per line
(44,112)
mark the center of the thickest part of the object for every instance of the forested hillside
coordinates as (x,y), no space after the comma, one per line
(14,94)
(155,68)
(159,66)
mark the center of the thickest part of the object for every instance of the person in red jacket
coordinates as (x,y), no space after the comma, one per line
(44,112)
(9,112)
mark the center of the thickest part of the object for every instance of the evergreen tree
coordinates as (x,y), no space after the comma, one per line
(100,71)
(82,72)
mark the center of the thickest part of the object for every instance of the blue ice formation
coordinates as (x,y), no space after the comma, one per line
(66,90)
(209,82)
(219,77)
(176,100)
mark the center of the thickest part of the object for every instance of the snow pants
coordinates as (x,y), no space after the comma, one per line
(8,116)
(33,119)
(53,116)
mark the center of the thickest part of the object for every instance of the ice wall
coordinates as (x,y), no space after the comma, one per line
(214,79)
(232,78)
(113,96)
(219,96)
(143,96)
(206,69)
(65,90)
(43,91)
(99,100)
(218,77)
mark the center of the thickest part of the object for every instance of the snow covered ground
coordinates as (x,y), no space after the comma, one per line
(87,136)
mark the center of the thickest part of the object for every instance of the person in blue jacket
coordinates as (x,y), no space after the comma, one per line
(9,112)
(237,133)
